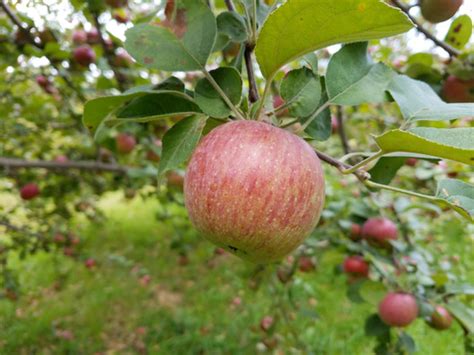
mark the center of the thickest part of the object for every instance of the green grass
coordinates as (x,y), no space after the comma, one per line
(185,309)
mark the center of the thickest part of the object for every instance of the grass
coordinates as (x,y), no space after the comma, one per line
(66,308)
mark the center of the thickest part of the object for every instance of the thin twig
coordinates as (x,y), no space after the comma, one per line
(453,52)
(12,163)
(230,5)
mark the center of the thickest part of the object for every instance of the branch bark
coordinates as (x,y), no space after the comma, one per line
(12,163)
(453,52)
(360,174)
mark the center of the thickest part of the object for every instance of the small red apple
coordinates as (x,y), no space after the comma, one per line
(356,266)
(411,162)
(379,231)
(84,55)
(145,280)
(436,11)
(42,81)
(90,263)
(122,59)
(356,232)
(79,37)
(93,36)
(441,319)
(254,190)
(125,143)
(306,264)
(457,90)
(398,309)
(266,323)
(29,191)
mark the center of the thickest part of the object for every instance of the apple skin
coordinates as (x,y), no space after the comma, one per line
(79,37)
(42,81)
(457,90)
(356,232)
(411,162)
(356,265)
(441,319)
(29,191)
(254,190)
(84,55)
(125,143)
(398,309)
(379,231)
(436,11)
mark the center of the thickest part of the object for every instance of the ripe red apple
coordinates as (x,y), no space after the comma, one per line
(356,232)
(379,231)
(84,55)
(441,319)
(125,143)
(398,309)
(42,81)
(79,37)
(266,323)
(90,263)
(93,36)
(254,189)
(436,11)
(356,265)
(457,90)
(306,264)
(411,162)
(277,102)
(29,191)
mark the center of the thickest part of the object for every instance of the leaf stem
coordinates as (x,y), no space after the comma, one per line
(363,162)
(229,103)
(375,185)
(267,89)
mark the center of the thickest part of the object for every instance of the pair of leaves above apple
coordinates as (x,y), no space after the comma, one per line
(189,37)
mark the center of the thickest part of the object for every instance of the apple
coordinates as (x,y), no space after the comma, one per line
(84,55)
(411,162)
(90,263)
(441,319)
(29,191)
(277,102)
(356,266)
(79,37)
(398,309)
(122,60)
(93,36)
(356,232)
(379,231)
(125,143)
(305,264)
(266,323)
(457,90)
(254,190)
(42,81)
(59,238)
(436,11)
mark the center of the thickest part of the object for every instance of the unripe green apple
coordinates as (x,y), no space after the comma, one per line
(436,11)
(398,309)
(254,189)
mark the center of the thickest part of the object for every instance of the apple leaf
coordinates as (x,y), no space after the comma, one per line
(385,169)
(180,141)
(459,32)
(301,26)
(320,128)
(464,289)
(458,195)
(450,143)
(183,44)
(301,90)
(463,314)
(232,25)
(406,343)
(209,100)
(353,79)
(418,101)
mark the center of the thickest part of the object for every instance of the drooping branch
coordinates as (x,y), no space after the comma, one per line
(12,163)
(453,52)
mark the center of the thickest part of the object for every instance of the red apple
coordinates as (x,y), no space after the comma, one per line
(457,90)
(356,232)
(266,323)
(411,162)
(379,231)
(122,59)
(441,319)
(42,81)
(306,264)
(398,309)
(93,36)
(436,11)
(254,189)
(79,37)
(125,143)
(29,191)
(356,265)
(84,55)
(90,263)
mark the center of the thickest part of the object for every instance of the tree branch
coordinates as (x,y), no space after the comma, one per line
(453,52)
(12,163)
(360,174)
(230,5)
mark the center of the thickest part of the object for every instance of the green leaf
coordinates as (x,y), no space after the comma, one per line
(209,100)
(385,170)
(155,106)
(418,101)
(352,79)
(375,327)
(180,141)
(232,25)
(450,143)
(301,89)
(372,292)
(464,289)
(463,314)
(301,26)
(406,343)
(459,195)
(320,129)
(184,46)
(459,32)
